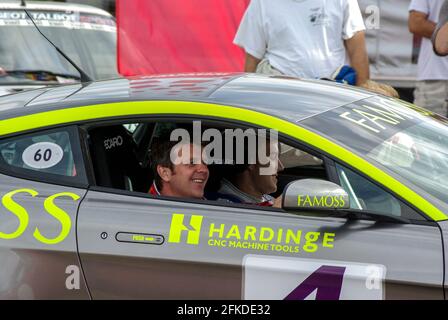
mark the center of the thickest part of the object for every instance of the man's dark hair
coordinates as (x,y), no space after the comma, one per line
(248,158)
(160,155)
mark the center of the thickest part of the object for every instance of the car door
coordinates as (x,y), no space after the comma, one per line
(140,247)
(42,181)
(133,245)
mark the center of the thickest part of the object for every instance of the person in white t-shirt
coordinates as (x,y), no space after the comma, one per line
(304,38)
(431,90)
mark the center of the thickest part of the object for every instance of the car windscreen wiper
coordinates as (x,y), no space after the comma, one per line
(358,214)
(42,75)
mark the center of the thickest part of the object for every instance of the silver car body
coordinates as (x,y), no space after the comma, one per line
(126,245)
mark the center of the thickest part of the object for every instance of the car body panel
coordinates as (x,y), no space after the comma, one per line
(32,269)
(444,229)
(184,267)
(284,97)
(57,94)
(299,99)
(12,104)
(11,89)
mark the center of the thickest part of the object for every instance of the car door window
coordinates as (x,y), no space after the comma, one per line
(298,164)
(365,195)
(52,155)
(122,161)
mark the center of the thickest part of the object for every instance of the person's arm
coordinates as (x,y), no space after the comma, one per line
(278,202)
(441,41)
(251,63)
(250,35)
(419,24)
(440,36)
(357,53)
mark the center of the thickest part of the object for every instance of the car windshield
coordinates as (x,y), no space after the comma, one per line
(26,57)
(408,141)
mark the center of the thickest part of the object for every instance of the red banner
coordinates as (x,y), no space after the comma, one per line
(176,36)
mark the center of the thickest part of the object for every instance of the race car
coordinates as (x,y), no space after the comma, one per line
(364,193)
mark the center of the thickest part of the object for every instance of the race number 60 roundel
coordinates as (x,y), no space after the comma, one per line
(42,155)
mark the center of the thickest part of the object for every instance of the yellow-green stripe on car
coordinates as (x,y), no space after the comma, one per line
(136,108)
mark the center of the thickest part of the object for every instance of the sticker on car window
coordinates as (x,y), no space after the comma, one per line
(42,155)
(68,19)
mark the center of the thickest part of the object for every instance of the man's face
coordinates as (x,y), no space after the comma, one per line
(188,177)
(264,176)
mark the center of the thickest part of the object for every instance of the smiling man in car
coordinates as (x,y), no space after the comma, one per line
(185,176)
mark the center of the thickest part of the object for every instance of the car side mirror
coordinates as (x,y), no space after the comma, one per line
(314,194)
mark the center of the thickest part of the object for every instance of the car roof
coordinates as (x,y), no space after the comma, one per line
(288,98)
(52,6)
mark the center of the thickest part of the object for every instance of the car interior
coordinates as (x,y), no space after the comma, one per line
(121,157)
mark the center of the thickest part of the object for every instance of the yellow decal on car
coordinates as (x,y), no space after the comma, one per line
(178,226)
(23,216)
(321,201)
(58,214)
(249,237)
(21,213)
